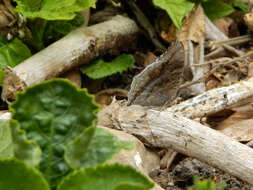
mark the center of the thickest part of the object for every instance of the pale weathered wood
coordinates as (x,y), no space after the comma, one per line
(214,100)
(79,47)
(167,130)
(212,32)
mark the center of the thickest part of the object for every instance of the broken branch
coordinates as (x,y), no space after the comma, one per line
(167,130)
(78,47)
(214,100)
(232,41)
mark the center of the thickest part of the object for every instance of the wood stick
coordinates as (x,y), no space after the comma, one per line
(78,47)
(168,130)
(214,100)
(212,32)
(232,41)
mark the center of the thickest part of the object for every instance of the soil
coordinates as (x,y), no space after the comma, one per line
(180,176)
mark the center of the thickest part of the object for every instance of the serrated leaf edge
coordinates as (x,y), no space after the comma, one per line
(82,90)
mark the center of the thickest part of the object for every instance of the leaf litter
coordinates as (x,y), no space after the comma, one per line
(161,79)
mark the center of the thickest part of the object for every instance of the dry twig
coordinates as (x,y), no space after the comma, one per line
(78,47)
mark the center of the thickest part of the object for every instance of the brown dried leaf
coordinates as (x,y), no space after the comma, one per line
(213,82)
(223,24)
(149,58)
(4,21)
(238,126)
(170,35)
(143,60)
(248,18)
(193,27)
(105,97)
(74,76)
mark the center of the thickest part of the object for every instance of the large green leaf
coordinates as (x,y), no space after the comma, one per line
(100,69)
(86,151)
(53,113)
(13,143)
(44,32)
(6,145)
(176,9)
(15,175)
(11,54)
(215,9)
(52,9)
(77,148)
(59,28)
(106,177)
(36,40)
(240,5)
(26,150)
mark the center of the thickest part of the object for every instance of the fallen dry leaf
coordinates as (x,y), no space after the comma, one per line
(248,18)
(193,27)
(223,24)
(149,58)
(238,126)
(105,97)
(74,76)
(170,34)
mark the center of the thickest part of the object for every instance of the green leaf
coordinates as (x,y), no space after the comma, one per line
(86,151)
(11,54)
(106,177)
(15,175)
(221,185)
(52,9)
(57,29)
(176,9)
(6,145)
(46,32)
(1,76)
(13,143)
(100,69)
(53,113)
(77,148)
(240,5)
(215,9)
(26,150)
(206,184)
(36,40)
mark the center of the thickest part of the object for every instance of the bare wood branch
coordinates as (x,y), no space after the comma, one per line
(79,47)
(198,72)
(167,130)
(232,41)
(212,32)
(214,100)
